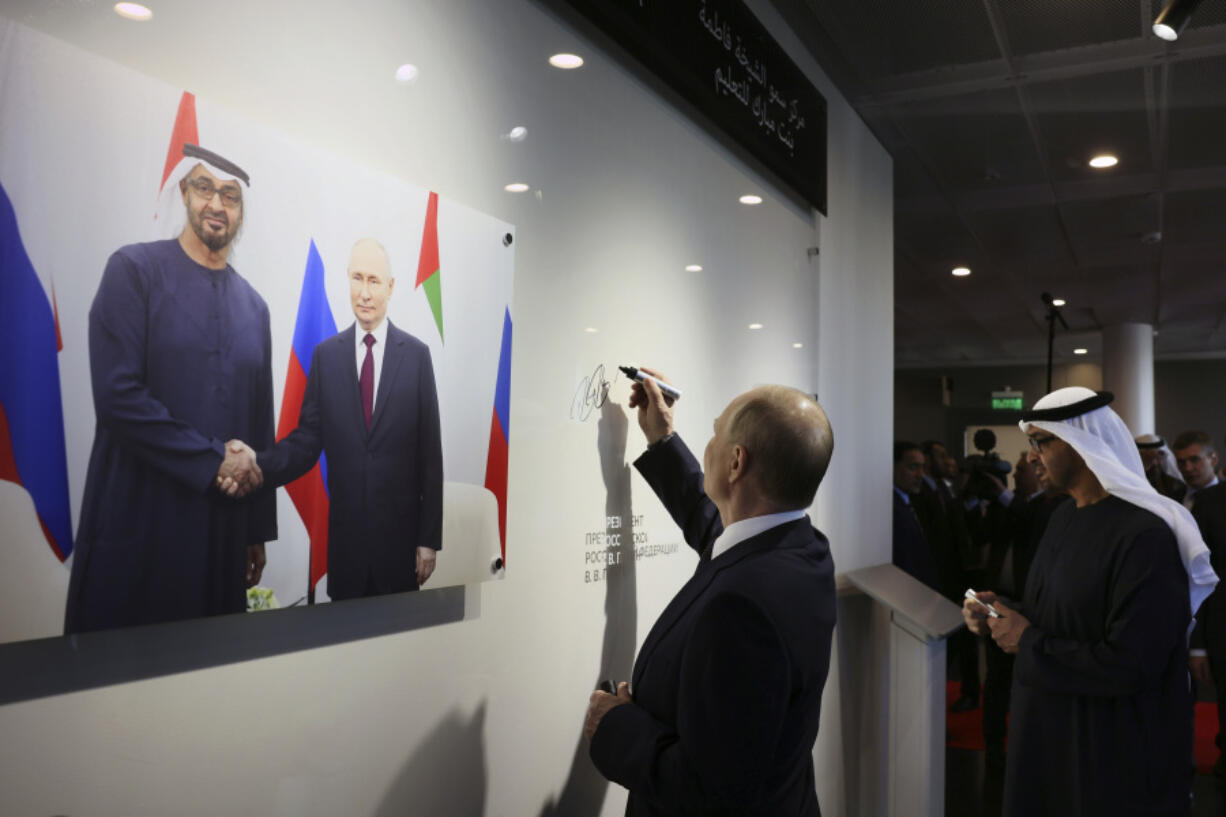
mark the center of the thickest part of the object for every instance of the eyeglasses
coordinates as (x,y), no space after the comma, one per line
(1037,443)
(231,195)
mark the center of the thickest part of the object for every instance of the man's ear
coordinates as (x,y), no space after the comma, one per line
(739,464)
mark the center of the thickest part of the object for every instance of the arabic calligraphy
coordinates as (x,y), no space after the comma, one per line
(744,78)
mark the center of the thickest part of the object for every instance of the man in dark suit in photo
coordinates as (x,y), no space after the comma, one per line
(371,407)
(723,709)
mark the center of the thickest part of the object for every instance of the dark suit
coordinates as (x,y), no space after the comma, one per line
(1209,510)
(911,550)
(385,485)
(728,685)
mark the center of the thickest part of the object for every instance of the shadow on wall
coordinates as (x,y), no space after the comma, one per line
(584,792)
(447,773)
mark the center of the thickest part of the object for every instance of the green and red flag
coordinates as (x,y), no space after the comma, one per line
(428,266)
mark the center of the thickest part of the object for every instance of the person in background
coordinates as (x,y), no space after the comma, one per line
(1160,467)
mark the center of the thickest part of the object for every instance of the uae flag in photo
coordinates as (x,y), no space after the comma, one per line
(428,274)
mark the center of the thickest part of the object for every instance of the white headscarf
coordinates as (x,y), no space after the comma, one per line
(169,217)
(1168,459)
(1107,446)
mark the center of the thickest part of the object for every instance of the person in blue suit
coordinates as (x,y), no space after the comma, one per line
(722,710)
(372,408)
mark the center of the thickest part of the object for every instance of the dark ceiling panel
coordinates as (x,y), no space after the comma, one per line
(1020,236)
(1034,26)
(1196,217)
(936,236)
(886,37)
(1107,223)
(972,141)
(1198,113)
(1082,116)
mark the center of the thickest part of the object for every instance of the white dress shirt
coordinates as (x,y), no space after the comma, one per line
(738,532)
(376,352)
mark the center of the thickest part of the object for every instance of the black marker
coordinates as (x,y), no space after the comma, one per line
(635,373)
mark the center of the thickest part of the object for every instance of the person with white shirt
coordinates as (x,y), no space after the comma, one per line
(722,710)
(1197,461)
(371,407)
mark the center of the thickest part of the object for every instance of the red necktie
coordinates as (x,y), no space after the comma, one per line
(367,379)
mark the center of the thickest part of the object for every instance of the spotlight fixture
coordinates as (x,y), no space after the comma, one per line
(133,11)
(406,73)
(516,187)
(1173,19)
(693,268)
(591,330)
(1058,302)
(750,198)
(961,272)
(798,346)
(755,326)
(566,61)
(1104,160)
(1081,351)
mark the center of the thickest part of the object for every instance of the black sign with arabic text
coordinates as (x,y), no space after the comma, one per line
(719,58)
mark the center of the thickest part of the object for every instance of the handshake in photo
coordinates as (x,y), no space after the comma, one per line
(239,474)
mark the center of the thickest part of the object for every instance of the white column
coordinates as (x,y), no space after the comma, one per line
(1128,372)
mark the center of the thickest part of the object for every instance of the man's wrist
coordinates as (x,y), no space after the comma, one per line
(661,440)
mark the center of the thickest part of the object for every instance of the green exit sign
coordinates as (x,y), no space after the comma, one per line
(1007,400)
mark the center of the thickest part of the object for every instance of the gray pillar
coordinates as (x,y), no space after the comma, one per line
(1128,372)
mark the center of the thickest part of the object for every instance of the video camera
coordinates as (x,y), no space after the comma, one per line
(977,467)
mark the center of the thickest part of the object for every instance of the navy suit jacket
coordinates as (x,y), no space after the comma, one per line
(1209,510)
(911,550)
(385,485)
(728,685)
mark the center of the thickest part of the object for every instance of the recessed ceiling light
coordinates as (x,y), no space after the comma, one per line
(133,11)
(798,346)
(693,268)
(755,326)
(1104,160)
(406,73)
(1081,351)
(1058,302)
(566,61)
(517,134)
(591,330)
(751,199)
(516,187)
(961,272)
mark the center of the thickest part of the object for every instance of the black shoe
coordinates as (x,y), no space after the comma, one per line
(964,704)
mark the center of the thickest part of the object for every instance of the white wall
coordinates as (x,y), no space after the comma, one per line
(484,716)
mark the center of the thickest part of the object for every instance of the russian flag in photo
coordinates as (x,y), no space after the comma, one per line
(310,491)
(32,449)
(500,429)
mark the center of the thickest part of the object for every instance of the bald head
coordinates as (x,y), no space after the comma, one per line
(789,439)
(368,255)
(370,282)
